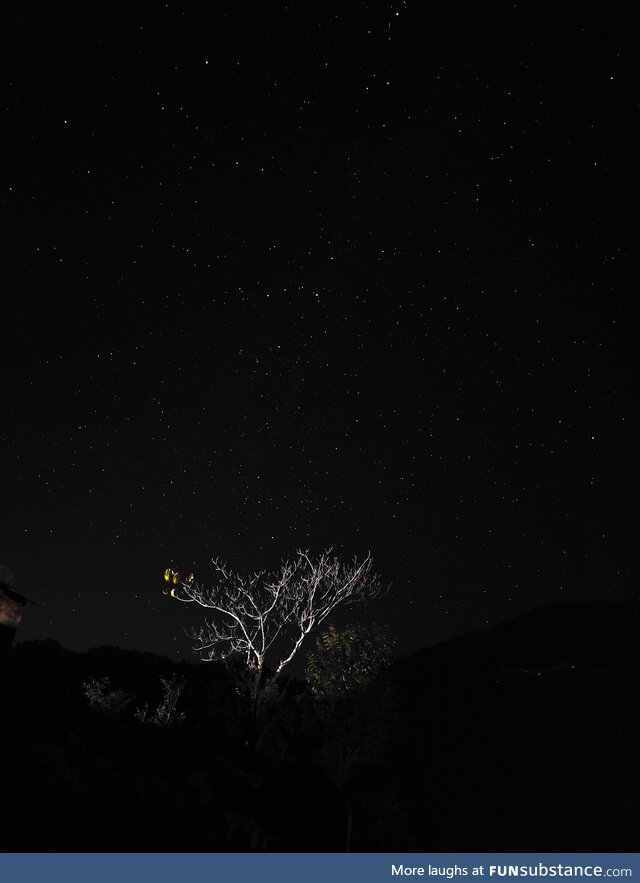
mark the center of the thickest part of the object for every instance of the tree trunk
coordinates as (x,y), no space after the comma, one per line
(349,823)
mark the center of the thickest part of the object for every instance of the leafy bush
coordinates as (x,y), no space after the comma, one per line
(102,698)
(347,660)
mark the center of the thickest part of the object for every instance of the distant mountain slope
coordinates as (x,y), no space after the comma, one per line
(596,634)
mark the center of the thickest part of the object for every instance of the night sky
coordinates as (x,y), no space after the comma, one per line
(296,274)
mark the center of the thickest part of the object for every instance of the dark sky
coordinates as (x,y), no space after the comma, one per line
(297,274)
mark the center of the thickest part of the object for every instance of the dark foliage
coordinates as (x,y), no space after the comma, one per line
(524,737)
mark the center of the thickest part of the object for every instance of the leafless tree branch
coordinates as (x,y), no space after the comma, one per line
(248,614)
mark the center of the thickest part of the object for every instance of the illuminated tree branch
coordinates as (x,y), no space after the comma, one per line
(248,614)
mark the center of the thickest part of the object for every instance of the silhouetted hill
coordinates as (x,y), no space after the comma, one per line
(596,633)
(526,733)
(522,737)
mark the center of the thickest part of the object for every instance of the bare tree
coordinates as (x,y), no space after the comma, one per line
(165,714)
(248,614)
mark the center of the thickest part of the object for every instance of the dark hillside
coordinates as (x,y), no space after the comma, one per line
(522,737)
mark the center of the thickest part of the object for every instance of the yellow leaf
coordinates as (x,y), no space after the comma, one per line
(173,593)
(167,575)
(176,578)
(190,578)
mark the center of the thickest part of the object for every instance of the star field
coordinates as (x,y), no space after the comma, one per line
(282,275)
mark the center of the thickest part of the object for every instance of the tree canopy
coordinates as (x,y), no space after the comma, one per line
(249,614)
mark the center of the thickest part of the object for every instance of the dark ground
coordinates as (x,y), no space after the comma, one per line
(523,737)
